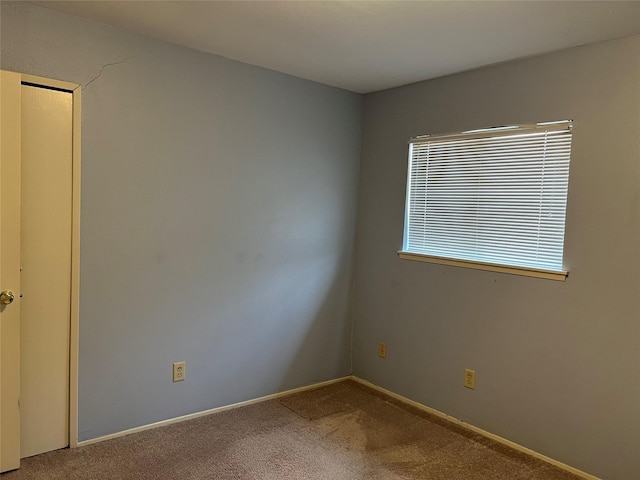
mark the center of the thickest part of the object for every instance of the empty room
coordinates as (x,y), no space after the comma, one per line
(320,240)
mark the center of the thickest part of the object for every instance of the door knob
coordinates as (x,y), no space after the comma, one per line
(6,297)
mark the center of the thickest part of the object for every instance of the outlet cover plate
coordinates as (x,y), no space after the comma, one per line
(179,371)
(470,378)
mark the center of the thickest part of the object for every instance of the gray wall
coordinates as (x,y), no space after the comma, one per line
(558,364)
(217,222)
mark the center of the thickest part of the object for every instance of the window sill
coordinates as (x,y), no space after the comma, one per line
(492,267)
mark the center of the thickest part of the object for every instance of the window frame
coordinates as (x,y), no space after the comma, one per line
(559,275)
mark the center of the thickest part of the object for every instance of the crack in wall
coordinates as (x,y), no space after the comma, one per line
(103,69)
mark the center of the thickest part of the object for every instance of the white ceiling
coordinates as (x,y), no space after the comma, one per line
(366,46)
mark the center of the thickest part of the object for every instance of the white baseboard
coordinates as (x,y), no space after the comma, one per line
(191,416)
(478,430)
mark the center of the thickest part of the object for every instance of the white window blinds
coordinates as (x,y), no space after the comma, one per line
(495,196)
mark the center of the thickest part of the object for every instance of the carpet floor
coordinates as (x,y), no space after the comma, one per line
(343,431)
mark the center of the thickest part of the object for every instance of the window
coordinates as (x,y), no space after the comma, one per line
(493,199)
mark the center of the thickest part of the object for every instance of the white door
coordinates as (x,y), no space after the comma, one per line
(45,245)
(9,270)
(44,251)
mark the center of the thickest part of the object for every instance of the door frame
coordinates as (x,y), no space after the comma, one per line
(76,92)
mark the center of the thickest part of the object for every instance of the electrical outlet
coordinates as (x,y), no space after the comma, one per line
(470,379)
(179,371)
(382,350)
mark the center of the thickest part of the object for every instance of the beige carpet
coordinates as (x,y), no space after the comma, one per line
(342,431)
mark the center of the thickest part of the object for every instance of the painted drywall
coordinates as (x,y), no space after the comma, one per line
(217,220)
(558,364)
